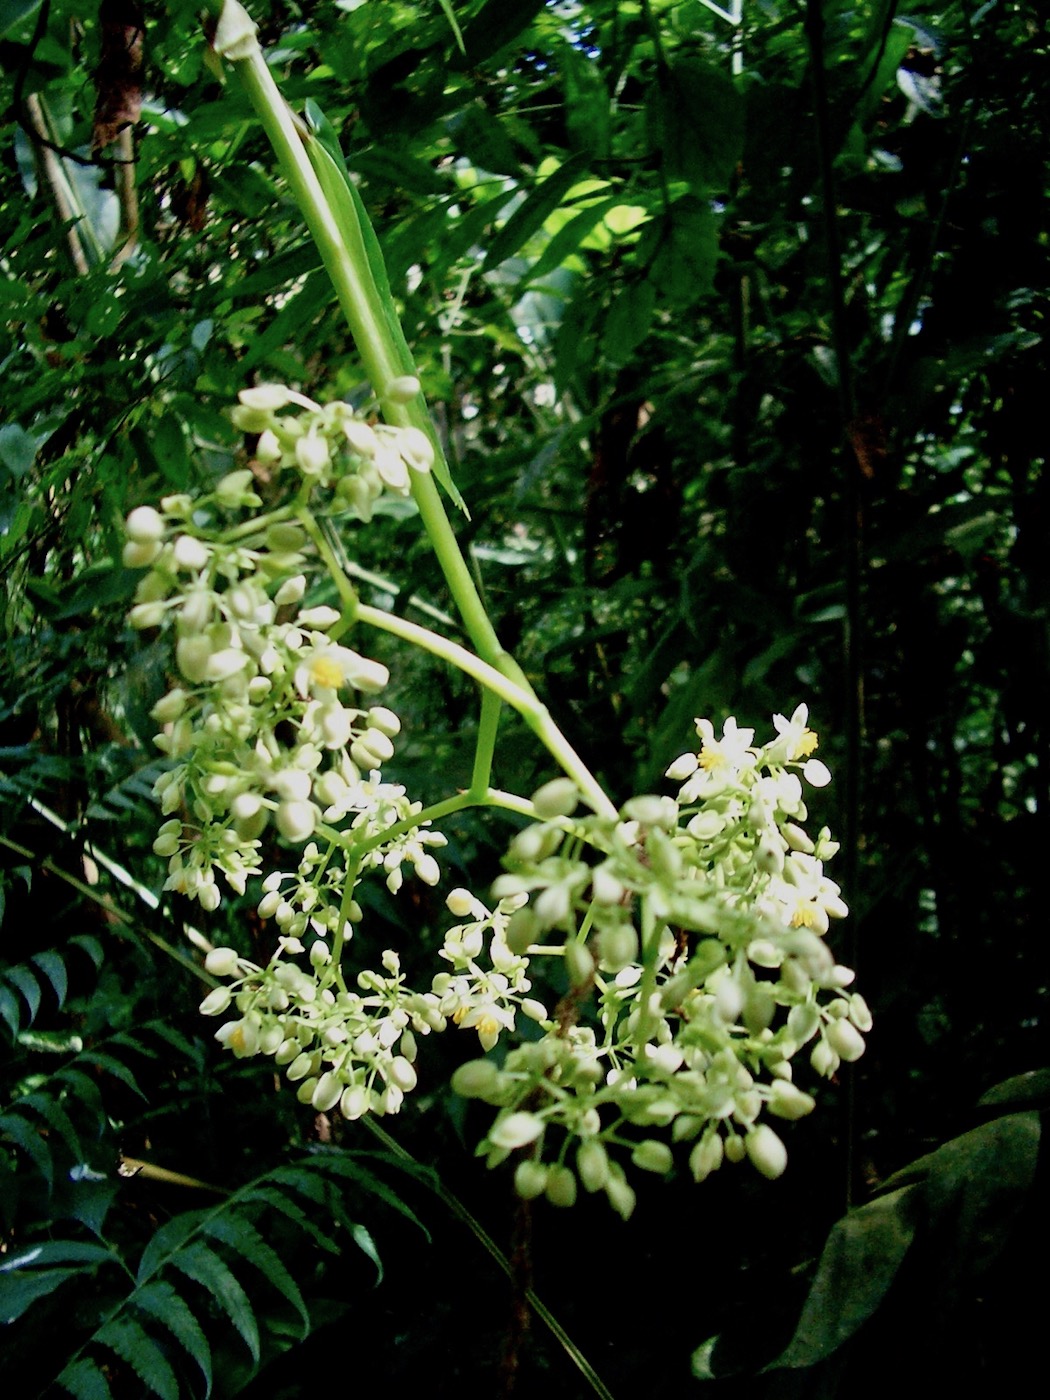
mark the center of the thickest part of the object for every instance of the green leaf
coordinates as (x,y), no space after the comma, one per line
(167,444)
(85,1381)
(28,1138)
(696,124)
(166,1241)
(569,237)
(366,1244)
(90,945)
(685,251)
(13,12)
(280,1201)
(629,320)
(204,1266)
(858,1264)
(18,1292)
(114,1067)
(17,449)
(483,140)
(976,1185)
(56,1118)
(27,984)
(533,211)
(162,1303)
(10,1009)
(54,969)
(134,1345)
(1028,1090)
(239,1234)
(496,24)
(588,113)
(57,1252)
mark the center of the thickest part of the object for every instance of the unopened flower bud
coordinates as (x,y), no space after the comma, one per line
(477,1079)
(530,1178)
(579,964)
(403,389)
(515,1130)
(845,1040)
(222,962)
(561,1187)
(592,1163)
(767,1153)
(653,1156)
(558,798)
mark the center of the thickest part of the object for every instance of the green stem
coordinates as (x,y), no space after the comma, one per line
(362,305)
(488,731)
(521,698)
(345,589)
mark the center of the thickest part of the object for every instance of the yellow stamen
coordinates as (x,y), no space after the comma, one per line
(805,745)
(327,672)
(711,758)
(487,1025)
(805,915)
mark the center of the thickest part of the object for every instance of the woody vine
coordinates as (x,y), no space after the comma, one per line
(690,926)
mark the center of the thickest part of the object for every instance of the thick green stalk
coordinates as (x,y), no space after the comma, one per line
(360,300)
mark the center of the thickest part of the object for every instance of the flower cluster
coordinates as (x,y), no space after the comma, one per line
(332,447)
(354,1050)
(264,724)
(696,923)
(685,934)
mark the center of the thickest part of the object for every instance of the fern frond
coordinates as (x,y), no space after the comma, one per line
(129,1340)
(240,1235)
(204,1266)
(159,1300)
(85,1381)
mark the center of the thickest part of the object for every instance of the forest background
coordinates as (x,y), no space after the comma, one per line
(734,325)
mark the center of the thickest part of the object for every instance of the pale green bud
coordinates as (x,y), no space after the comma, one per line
(579,964)
(189,553)
(786,1100)
(477,1079)
(618,946)
(138,554)
(354,1102)
(767,1153)
(416,449)
(384,720)
(300,1067)
(222,962)
(706,1156)
(558,798)
(515,1130)
(234,489)
(845,1040)
(653,1156)
(296,820)
(401,1073)
(619,1193)
(530,1179)
(327,1092)
(859,1013)
(734,1148)
(403,389)
(824,1059)
(145,615)
(592,1163)
(144,525)
(561,1187)
(216,1002)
